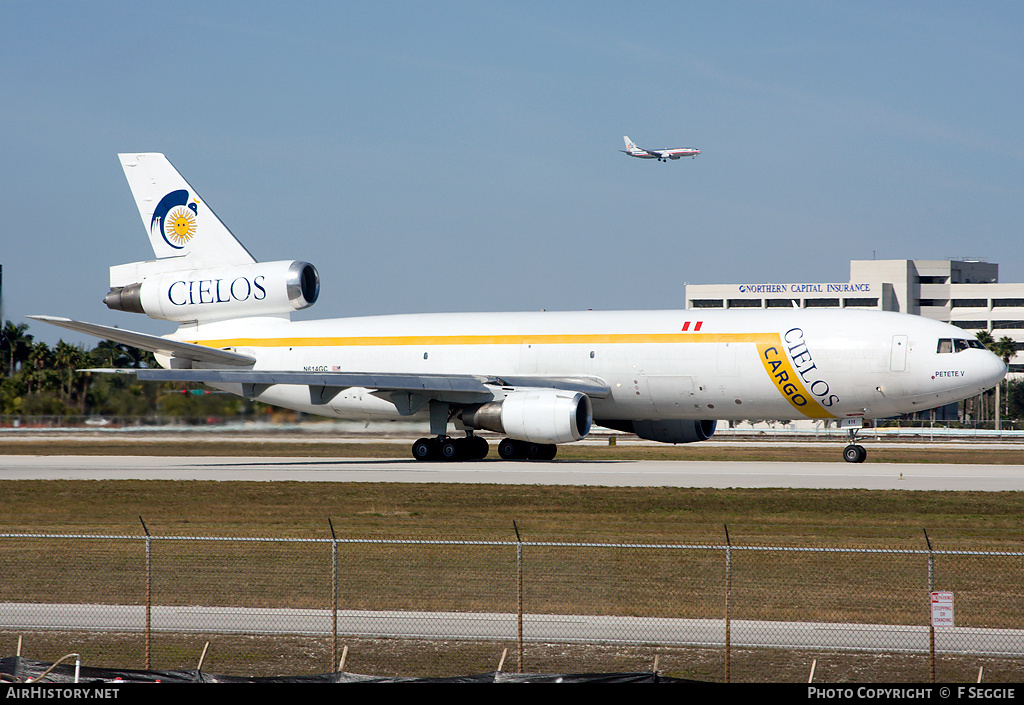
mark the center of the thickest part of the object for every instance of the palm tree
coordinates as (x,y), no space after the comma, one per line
(15,344)
(1005,348)
(137,358)
(40,358)
(985,338)
(112,354)
(70,358)
(109,353)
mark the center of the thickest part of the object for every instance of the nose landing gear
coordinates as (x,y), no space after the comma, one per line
(854,453)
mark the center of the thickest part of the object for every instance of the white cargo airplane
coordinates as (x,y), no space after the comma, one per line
(539,378)
(662,155)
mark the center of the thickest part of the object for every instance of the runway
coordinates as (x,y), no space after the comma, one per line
(626,473)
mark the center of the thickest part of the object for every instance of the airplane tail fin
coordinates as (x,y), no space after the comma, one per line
(201,272)
(178,222)
(629,144)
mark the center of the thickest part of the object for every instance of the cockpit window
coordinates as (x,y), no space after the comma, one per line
(951,345)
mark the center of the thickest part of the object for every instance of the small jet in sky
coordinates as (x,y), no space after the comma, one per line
(662,155)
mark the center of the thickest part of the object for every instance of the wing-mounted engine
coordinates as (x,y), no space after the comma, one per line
(666,430)
(534,415)
(257,289)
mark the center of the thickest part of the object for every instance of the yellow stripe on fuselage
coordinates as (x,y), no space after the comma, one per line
(769,348)
(551,339)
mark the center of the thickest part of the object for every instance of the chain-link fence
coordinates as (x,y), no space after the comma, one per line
(266,606)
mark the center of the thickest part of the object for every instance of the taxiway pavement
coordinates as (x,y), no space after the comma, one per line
(624,473)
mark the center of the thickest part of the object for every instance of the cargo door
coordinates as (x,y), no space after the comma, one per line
(898,356)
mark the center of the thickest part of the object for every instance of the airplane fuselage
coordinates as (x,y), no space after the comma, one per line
(539,379)
(660,154)
(664,154)
(688,364)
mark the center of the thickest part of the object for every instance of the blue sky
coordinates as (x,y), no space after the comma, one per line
(452,156)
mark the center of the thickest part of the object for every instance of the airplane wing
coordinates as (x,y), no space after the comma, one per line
(153,343)
(323,386)
(409,392)
(593,387)
(433,385)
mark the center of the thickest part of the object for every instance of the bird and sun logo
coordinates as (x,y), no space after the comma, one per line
(175,219)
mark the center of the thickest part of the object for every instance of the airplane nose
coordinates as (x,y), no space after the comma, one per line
(993,369)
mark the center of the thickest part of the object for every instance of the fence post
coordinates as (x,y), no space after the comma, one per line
(334,597)
(931,589)
(149,592)
(728,600)
(519,592)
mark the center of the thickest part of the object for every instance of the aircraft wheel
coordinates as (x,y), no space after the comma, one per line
(508,449)
(450,449)
(478,447)
(424,449)
(854,453)
(544,452)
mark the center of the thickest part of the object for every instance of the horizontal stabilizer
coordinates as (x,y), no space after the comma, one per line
(153,343)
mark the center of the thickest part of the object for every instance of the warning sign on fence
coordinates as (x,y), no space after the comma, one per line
(942,609)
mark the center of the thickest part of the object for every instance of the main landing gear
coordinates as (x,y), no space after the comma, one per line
(446,448)
(854,453)
(441,446)
(511,449)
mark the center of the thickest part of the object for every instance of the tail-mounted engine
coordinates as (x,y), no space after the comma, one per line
(535,415)
(258,289)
